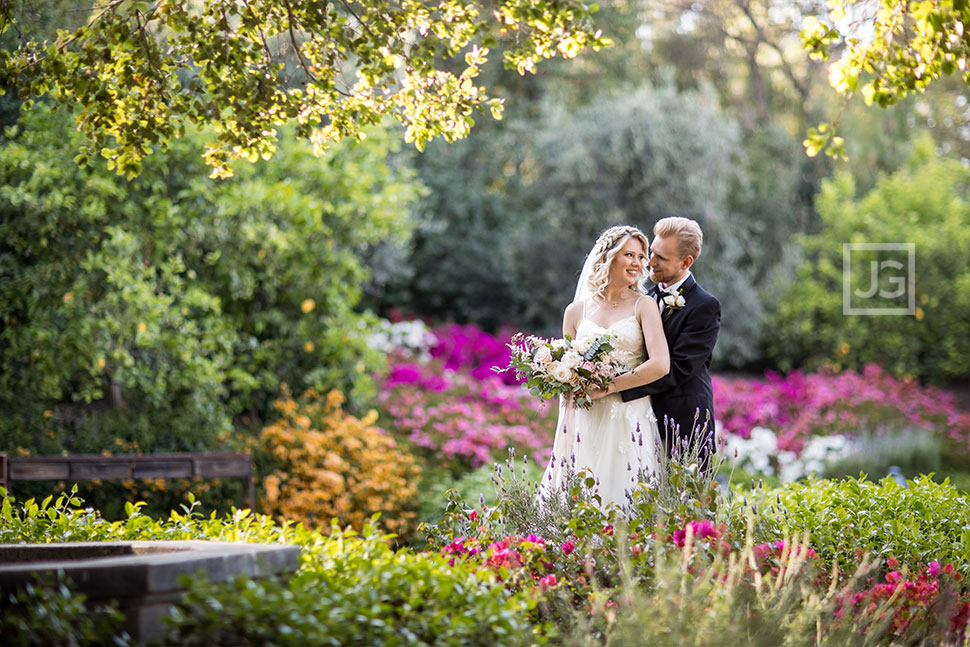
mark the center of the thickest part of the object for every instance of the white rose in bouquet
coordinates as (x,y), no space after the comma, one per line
(583,344)
(559,372)
(542,357)
(571,359)
(559,343)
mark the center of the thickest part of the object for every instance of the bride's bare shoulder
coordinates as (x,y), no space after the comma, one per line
(646,306)
(574,308)
(572,316)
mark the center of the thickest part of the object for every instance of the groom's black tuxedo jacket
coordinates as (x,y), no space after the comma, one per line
(691,332)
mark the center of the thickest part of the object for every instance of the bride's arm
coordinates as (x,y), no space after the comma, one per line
(658,355)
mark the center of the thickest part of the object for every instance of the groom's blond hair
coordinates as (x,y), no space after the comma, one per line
(688,233)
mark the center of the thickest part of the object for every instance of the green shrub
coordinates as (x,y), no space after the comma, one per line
(47,614)
(164,310)
(925,204)
(357,592)
(354,587)
(854,519)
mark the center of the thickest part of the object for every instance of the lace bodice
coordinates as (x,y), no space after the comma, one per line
(628,339)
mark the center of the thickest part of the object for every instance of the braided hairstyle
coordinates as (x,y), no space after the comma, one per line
(607,246)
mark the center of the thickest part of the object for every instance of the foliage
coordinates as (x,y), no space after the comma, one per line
(479,484)
(48,614)
(799,405)
(721,598)
(153,312)
(924,205)
(891,48)
(593,570)
(249,69)
(513,213)
(592,577)
(349,585)
(743,48)
(331,465)
(358,592)
(855,519)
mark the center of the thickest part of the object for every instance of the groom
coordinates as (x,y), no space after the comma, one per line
(683,400)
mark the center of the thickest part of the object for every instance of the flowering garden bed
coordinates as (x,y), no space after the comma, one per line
(820,562)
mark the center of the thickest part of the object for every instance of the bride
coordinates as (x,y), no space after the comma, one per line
(612,441)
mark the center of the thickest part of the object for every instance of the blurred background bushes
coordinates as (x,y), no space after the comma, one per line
(925,203)
(162,311)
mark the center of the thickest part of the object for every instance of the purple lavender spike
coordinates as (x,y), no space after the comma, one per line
(640,438)
(577,437)
(628,467)
(550,476)
(597,481)
(633,437)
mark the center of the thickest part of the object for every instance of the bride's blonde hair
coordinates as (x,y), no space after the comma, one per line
(605,250)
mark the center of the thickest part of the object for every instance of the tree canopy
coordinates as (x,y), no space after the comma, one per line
(889,49)
(137,73)
(162,309)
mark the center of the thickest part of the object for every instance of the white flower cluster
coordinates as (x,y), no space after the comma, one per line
(570,358)
(760,454)
(413,337)
(675,301)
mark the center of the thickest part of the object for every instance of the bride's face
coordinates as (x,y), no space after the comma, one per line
(628,264)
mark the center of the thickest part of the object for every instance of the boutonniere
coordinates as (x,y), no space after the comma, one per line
(674,300)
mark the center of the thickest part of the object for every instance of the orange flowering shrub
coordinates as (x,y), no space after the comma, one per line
(329,464)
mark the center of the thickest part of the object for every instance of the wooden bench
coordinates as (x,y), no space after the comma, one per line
(134,467)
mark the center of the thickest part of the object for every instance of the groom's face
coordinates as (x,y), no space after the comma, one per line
(666,263)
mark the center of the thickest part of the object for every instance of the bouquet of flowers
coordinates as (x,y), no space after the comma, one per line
(553,367)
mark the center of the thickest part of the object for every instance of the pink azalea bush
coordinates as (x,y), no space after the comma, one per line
(467,348)
(799,405)
(915,601)
(456,410)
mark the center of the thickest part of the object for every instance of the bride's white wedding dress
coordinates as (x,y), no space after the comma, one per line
(613,441)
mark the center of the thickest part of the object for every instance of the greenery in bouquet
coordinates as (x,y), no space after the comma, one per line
(563,367)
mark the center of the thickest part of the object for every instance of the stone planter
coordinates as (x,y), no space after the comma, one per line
(141,576)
